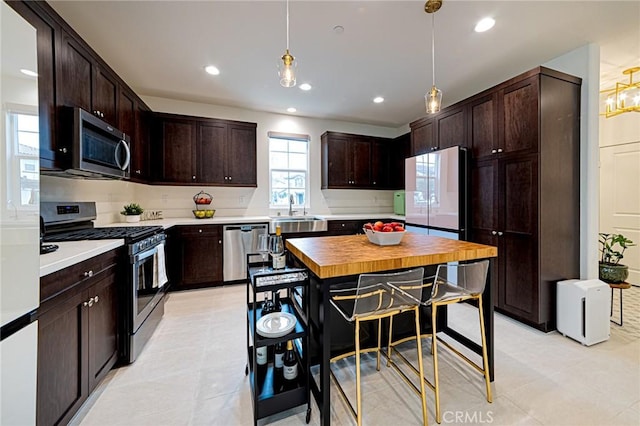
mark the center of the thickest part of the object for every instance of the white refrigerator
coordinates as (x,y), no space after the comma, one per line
(436,193)
(19,220)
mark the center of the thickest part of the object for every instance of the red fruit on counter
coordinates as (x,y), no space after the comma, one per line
(378,224)
(398,228)
(387,228)
(368,226)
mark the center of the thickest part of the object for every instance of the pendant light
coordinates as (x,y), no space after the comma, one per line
(287,65)
(433,98)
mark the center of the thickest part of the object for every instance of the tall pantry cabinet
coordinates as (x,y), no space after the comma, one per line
(524,136)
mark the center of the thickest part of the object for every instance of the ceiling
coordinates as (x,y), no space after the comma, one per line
(160,48)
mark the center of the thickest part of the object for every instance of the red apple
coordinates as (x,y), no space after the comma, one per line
(378,224)
(387,228)
(368,226)
(398,228)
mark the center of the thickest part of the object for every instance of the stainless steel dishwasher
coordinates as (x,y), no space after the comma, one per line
(238,240)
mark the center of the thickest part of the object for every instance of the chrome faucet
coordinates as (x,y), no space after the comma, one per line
(291,201)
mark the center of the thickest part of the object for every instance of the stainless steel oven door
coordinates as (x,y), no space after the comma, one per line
(146,290)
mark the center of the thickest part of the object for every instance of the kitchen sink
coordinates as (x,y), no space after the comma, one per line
(296,224)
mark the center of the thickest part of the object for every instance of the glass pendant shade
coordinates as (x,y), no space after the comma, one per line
(287,70)
(433,100)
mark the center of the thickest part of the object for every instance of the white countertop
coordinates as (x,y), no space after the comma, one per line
(70,253)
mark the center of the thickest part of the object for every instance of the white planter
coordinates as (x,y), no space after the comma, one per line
(132,218)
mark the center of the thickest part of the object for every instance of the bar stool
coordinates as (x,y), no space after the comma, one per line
(452,284)
(378,296)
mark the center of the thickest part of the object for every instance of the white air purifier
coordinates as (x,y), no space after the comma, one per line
(582,310)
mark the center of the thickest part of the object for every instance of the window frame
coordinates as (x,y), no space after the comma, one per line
(289,137)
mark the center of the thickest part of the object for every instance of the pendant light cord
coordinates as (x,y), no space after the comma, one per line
(433,47)
(287,24)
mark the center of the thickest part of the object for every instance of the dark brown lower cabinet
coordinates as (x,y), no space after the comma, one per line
(196,256)
(77,338)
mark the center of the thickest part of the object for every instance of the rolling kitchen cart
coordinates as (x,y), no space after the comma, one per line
(267,396)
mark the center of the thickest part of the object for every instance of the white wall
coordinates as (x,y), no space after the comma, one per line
(584,62)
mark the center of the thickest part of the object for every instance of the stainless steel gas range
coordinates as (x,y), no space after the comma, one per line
(142,293)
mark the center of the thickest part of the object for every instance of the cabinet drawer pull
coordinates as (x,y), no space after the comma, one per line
(138,172)
(90,303)
(199,230)
(229,177)
(493,151)
(499,149)
(85,304)
(88,274)
(499,234)
(63,150)
(493,232)
(193,177)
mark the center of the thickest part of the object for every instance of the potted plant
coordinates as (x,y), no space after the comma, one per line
(132,212)
(612,247)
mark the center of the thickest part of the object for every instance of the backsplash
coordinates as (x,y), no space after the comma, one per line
(177,201)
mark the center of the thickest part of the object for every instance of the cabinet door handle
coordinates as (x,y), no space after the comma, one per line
(229,177)
(96,299)
(90,302)
(493,232)
(199,230)
(499,234)
(493,151)
(499,149)
(63,150)
(193,177)
(138,172)
(88,274)
(219,241)
(85,304)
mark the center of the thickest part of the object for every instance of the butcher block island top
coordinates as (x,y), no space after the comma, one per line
(329,257)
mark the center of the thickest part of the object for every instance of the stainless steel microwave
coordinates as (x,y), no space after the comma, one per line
(98,150)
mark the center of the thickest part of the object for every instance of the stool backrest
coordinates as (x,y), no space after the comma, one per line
(465,279)
(377,293)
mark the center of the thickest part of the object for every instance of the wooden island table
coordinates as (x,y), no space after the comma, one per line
(335,261)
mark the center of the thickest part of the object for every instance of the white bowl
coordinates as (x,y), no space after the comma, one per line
(384,238)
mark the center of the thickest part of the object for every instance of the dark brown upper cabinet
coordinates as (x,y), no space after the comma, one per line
(346,161)
(361,162)
(423,137)
(197,150)
(82,82)
(46,29)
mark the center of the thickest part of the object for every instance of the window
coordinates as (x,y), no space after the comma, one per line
(22,150)
(288,169)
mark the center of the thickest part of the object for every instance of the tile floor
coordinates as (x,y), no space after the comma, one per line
(192,373)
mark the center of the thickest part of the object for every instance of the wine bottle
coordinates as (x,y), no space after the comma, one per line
(261,361)
(277,306)
(278,364)
(290,367)
(267,305)
(276,247)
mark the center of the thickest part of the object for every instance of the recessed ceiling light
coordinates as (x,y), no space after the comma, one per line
(305,86)
(291,109)
(378,99)
(210,69)
(29,72)
(484,25)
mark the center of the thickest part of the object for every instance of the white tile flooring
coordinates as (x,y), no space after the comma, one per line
(192,373)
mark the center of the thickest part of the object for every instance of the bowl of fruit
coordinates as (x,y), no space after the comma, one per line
(384,234)
(203,214)
(202,198)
